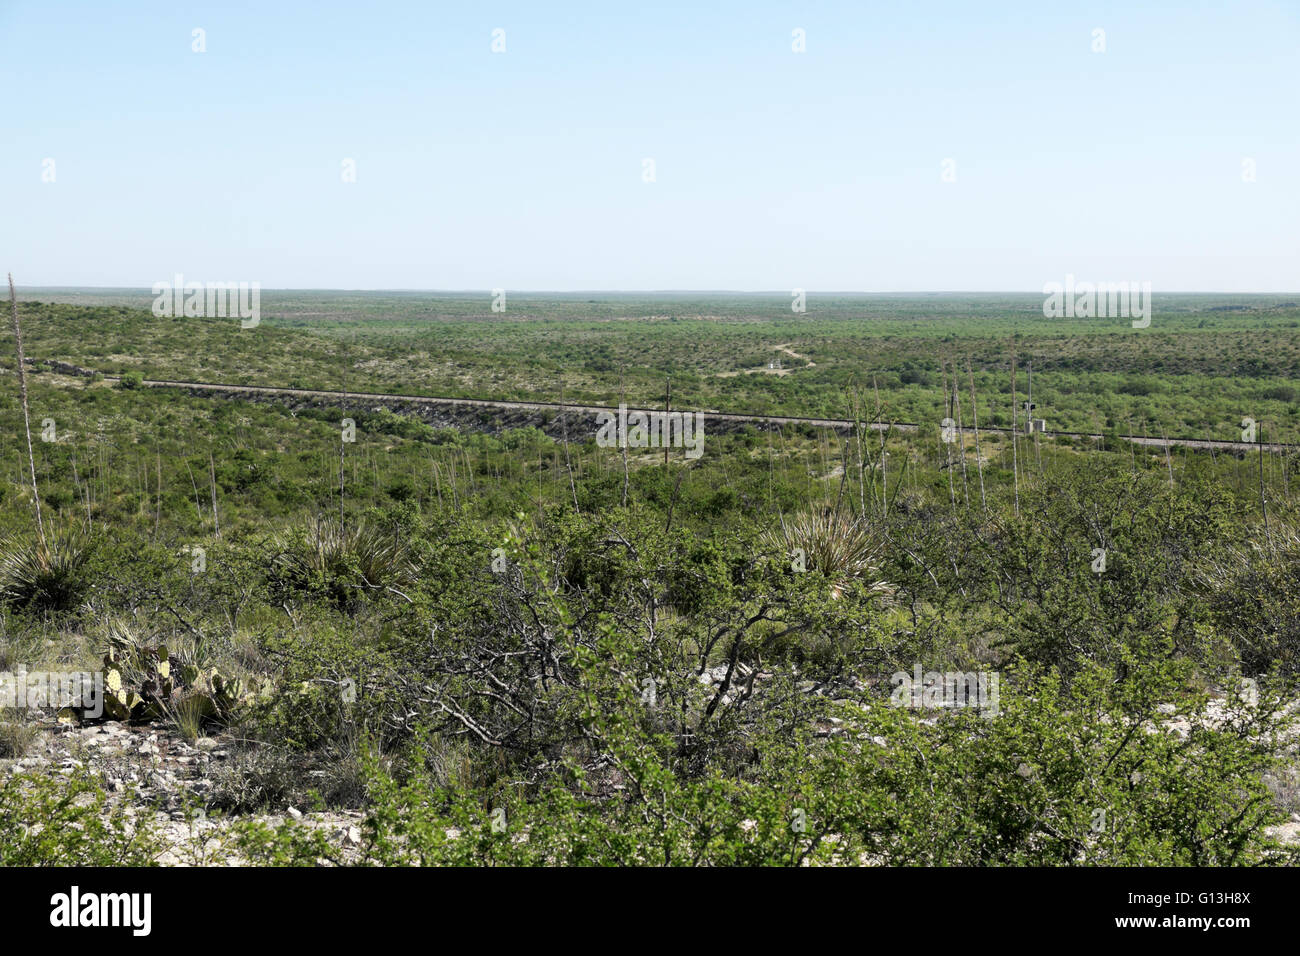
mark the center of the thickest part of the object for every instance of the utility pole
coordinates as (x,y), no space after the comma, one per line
(1029,398)
(1263,505)
(668,407)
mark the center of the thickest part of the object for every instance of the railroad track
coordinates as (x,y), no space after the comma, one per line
(270,390)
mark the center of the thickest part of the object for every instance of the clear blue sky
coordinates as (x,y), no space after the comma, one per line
(775,170)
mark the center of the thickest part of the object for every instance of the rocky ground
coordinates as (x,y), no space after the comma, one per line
(159,774)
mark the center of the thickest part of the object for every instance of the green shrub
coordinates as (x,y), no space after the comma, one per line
(1052,779)
(69,822)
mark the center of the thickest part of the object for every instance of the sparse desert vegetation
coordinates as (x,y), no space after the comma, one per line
(481,638)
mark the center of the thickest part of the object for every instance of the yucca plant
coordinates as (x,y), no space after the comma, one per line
(836,544)
(49,575)
(125,643)
(344,562)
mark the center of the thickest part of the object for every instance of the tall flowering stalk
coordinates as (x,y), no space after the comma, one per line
(27,422)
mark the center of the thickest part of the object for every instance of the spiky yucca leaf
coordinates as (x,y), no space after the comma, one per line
(833,543)
(48,577)
(343,562)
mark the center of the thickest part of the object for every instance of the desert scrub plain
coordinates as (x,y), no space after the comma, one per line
(1204,363)
(491,641)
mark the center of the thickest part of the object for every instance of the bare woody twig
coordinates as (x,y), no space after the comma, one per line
(27,423)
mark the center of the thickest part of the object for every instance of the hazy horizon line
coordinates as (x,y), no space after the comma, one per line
(147,290)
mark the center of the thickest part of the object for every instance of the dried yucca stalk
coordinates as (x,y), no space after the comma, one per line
(27,422)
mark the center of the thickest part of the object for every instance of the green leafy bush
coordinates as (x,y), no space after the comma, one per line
(69,822)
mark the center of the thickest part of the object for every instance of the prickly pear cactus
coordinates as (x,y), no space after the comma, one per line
(147,683)
(120,703)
